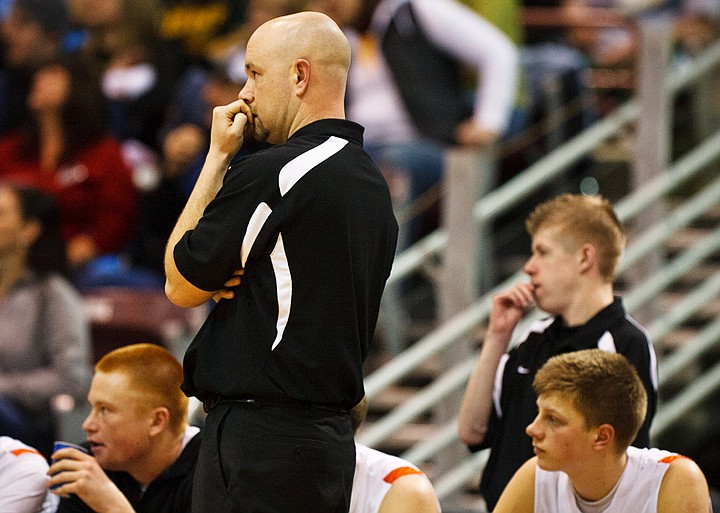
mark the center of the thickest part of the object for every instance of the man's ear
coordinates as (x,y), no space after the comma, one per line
(604,436)
(587,255)
(159,419)
(301,70)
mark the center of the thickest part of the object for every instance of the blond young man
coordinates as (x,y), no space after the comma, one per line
(142,451)
(577,242)
(591,404)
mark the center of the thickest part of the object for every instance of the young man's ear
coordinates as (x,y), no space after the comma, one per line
(587,255)
(159,420)
(301,79)
(604,436)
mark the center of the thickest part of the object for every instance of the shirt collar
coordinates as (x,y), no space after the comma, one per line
(343,128)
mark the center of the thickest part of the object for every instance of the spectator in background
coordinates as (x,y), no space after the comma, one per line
(143,452)
(65,150)
(138,68)
(186,131)
(554,75)
(694,22)
(576,246)
(23,479)
(185,143)
(406,86)
(384,483)
(45,337)
(697,24)
(196,26)
(32,34)
(257,12)
(591,404)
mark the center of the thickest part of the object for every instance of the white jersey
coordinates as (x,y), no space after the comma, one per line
(23,479)
(637,490)
(375,472)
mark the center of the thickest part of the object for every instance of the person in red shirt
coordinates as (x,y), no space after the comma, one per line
(65,150)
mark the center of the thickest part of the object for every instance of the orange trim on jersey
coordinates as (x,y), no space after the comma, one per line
(399,472)
(670,459)
(18,452)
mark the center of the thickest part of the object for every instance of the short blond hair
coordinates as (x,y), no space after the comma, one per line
(584,220)
(155,374)
(604,387)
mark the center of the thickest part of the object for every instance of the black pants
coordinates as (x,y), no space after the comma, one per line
(274,460)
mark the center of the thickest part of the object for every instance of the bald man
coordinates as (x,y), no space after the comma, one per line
(295,244)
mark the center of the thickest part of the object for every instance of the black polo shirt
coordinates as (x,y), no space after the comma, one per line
(515,408)
(170,492)
(312,224)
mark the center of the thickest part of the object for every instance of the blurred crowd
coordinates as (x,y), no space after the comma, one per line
(105,109)
(105,104)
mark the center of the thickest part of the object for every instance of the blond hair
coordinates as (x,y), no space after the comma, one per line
(604,387)
(583,220)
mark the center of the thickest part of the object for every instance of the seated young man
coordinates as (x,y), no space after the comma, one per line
(143,451)
(591,404)
(384,483)
(577,243)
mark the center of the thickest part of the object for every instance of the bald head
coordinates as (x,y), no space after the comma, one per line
(308,35)
(297,71)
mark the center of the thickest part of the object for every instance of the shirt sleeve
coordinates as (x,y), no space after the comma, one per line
(23,481)
(208,255)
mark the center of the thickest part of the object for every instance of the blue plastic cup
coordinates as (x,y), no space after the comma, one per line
(57,445)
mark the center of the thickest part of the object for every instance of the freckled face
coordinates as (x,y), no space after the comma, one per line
(561,440)
(118,426)
(553,270)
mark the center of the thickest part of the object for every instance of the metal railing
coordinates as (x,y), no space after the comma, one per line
(503,200)
(466,321)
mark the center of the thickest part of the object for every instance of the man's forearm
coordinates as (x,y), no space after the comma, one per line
(477,402)
(226,138)
(178,289)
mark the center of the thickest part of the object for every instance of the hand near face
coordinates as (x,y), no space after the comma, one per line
(508,307)
(74,472)
(229,126)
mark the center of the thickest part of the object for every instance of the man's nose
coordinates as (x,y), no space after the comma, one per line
(89,423)
(529,266)
(246,94)
(532,429)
